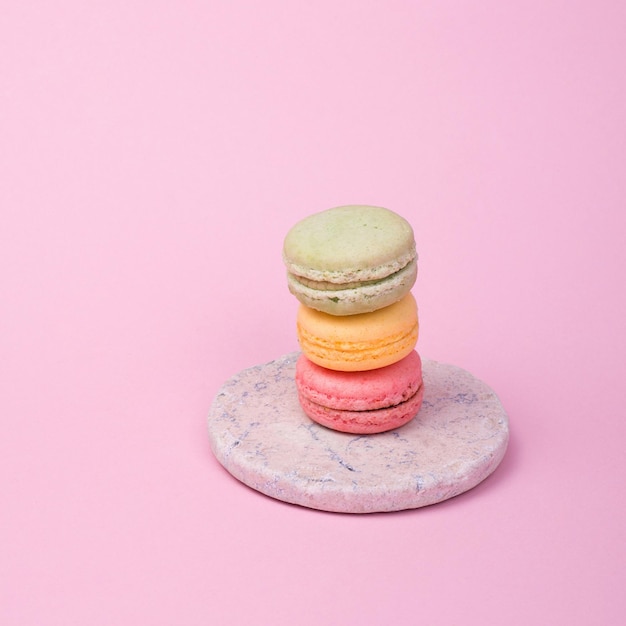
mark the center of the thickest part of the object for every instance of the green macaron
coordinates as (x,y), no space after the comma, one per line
(350,259)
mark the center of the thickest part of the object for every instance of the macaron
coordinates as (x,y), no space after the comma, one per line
(359,342)
(350,259)
(361,402)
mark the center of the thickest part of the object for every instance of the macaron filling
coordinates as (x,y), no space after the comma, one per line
(353,297)
(351,275)
(319,349)
(336,285)
(364,422)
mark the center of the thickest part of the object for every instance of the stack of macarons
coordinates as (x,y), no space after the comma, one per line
(352,269)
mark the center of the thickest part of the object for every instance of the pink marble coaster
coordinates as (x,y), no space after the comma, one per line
(259,433)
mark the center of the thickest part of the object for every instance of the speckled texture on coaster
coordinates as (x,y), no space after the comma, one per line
(260,434)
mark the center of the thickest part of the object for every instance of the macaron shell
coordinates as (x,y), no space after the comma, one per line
(359,342)
(359,391)
(362,298)
(365,422)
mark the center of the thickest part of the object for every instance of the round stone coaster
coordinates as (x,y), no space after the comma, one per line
(259,433)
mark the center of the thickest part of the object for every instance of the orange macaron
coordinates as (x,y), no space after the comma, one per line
(359,342)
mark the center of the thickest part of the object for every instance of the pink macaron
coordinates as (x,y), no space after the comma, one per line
(367,402)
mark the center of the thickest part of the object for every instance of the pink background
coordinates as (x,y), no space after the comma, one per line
(153,156)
